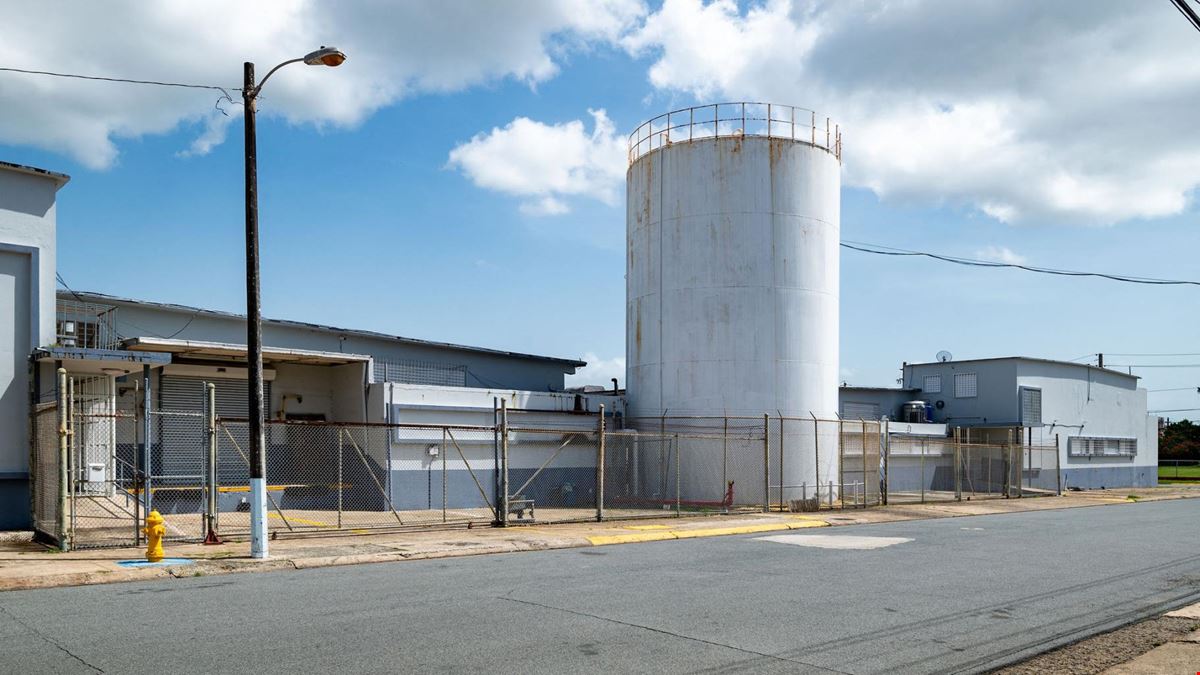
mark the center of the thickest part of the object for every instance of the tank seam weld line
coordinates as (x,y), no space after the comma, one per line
(782,214)
(708,288)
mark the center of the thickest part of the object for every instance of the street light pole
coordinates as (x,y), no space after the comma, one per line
(258,459)
(325,56)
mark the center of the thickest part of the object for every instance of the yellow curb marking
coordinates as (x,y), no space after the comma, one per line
(648,527)
(302,521)
(603,540)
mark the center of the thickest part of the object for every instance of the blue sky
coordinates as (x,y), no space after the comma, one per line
(368,223)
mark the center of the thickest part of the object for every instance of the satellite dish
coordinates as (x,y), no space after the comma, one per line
(944,356)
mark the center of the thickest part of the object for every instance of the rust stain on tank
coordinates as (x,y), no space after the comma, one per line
(637,333)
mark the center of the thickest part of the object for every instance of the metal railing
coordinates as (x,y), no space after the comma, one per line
(742,118)
(86,325)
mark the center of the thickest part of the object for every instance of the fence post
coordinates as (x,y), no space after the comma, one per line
(725,457)
(600,468)
(60,524)
(341,452)
(72,462)
(503,462)
(841,463)
(495,460)
(678,503)
(817,459)
(148,446)
(210,428)
(863,422)
(958,470)
(442,452)
(922,470)
(1057,467)
(1007,469)
(766,463)
(886,451)
(782,504)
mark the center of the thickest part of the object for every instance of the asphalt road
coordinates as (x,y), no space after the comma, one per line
(965,594)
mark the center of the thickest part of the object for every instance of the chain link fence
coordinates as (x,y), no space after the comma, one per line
(89,488)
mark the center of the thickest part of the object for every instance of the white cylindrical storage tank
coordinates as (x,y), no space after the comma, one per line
(732,229)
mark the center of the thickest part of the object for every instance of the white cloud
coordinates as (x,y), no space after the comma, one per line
(1027,111)
(598,371)
(1001,254)
(545,163)
(395,50)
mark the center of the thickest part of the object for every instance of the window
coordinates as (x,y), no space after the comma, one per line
(1095,446)
(965,385)
(932,385)
(1031,407)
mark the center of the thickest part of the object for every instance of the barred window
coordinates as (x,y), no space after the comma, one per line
(965,385)
(1031,407)
(1096,446)
(932,384)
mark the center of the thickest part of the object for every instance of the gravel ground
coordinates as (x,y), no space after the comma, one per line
(1098,653)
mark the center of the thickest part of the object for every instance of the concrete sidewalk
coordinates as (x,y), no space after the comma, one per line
(25,565)
(1177,656)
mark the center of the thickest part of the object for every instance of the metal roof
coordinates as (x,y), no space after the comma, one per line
(60,178)
(227,350)
(1032,359)
(90,296)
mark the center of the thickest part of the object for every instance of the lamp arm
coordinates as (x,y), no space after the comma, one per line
(258,88)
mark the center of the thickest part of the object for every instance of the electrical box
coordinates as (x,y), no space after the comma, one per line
(96,472)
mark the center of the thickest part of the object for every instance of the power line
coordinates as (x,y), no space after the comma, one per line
(1151,391)
(879,249)
(212,87)
(119,79)
(1152,365)
(1173,410)
(1187,13)
(1118,354)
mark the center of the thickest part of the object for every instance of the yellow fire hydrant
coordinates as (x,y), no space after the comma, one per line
(154,535)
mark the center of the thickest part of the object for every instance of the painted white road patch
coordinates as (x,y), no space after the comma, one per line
(844,542)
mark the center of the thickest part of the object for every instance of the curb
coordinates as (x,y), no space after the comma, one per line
(638,537)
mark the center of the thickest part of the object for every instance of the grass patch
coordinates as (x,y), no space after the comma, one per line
(1191,472)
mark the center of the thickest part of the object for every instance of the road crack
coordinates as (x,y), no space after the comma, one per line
(48,639)
(663,631)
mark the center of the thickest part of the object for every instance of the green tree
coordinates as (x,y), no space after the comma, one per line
(1180,440)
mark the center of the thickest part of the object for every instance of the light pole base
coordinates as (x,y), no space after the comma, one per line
(258,518)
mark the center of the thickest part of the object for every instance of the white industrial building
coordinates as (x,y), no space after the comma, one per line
(116,347)
(1096,417)
(732,300)
(27,270)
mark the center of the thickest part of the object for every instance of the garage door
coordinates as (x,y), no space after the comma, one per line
(182,393)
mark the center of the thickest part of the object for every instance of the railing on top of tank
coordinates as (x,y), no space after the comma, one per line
(743,118)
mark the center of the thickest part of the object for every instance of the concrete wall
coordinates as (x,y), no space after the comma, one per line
(1077,400)
(484,369)
(995,401)
(1095,402)
(27,270)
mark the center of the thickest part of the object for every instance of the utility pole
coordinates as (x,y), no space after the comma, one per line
(258,459)
(325,56)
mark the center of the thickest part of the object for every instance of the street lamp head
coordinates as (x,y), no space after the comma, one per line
(325,56)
